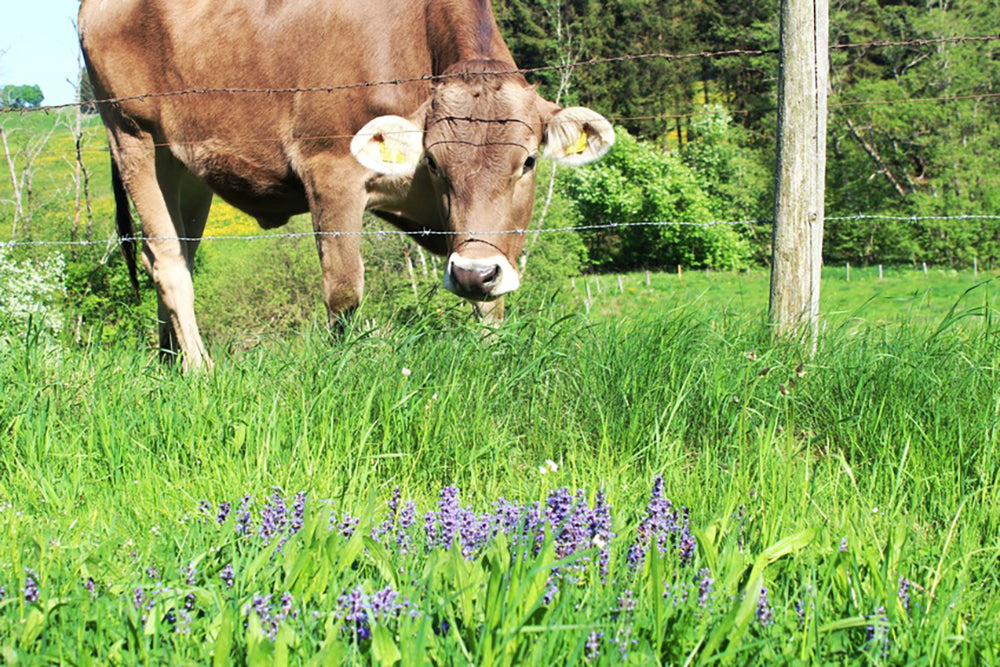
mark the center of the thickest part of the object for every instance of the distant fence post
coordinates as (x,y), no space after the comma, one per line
(797,241)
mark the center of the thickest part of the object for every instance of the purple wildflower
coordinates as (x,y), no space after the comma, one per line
(88,584)
(904,592)
(594,645)
(626,602)
(205,508)
(30,586)
(660,525)
(298,511)
(352,608)
(273,517)
(184,627)
(138,597)
(288,606)
(3,593)
(406,518)
(705,587)
(261,604)
(152,572)
(243,520)
(190,574)
(843,544)
(878,632)
(601,529)
(189,601)
(550,592)
(227,575)
(764,614)
(390,517)
(224,509)
(359,610)
(348,525)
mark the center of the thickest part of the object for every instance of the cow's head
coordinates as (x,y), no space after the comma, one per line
(478,138)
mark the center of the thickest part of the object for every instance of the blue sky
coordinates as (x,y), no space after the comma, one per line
(39,46)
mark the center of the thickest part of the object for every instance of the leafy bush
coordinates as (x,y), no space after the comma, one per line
(638,182)
(99,296)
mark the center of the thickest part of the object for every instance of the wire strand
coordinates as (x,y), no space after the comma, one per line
(432,78)
(424,233)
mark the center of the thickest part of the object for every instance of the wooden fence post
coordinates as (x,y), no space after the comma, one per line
(797,240)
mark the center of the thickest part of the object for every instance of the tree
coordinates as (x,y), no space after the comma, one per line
(21,97)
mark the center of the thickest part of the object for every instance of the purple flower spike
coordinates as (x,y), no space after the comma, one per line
(273,517)
(89,585)
(190,574)
(227,575)
(243,521)
(298,511)
(224,509)
(594,645)
(262,605)
(764,614)
(705,587)
(878,632)
(904,592)
(30,586)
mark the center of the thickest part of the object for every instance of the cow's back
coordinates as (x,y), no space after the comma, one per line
(249,145)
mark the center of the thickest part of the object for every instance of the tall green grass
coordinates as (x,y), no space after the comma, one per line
(824,480)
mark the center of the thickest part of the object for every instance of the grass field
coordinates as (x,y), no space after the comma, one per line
(841,508)
(625,472)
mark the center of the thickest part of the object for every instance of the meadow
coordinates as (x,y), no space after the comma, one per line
(629,471)
(655,481)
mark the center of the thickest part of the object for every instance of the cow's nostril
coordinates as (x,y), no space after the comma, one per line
(491,276)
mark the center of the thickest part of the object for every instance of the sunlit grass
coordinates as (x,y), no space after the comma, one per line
(886,443)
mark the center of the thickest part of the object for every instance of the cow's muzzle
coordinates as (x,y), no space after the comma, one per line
(480,279)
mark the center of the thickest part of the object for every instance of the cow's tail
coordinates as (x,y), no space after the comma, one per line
(126,231)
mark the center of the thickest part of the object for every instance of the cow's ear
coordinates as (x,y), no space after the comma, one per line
(577,135)
(390,145)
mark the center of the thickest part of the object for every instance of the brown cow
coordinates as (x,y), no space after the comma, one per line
(453,153)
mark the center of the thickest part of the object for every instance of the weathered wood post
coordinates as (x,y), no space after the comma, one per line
(797,241)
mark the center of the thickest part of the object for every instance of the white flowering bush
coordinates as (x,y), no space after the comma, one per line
(31,289)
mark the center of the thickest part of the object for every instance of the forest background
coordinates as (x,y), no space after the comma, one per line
(891,150)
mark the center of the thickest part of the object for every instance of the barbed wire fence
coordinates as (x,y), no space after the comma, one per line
(110,242)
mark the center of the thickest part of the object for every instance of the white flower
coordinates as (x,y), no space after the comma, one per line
(548,466)
(406,372)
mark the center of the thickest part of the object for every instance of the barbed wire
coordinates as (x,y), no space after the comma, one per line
(432,78)
(386,233)
(103,148)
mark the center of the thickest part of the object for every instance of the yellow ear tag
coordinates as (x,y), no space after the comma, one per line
(389,155)
(581,145)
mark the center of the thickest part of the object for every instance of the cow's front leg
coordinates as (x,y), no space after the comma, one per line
(343,274)
(337,201)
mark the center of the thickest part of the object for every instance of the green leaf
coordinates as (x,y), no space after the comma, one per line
(224,640)
(32,628)
(384,648)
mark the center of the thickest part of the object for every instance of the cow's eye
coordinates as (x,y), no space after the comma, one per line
(529,163)
(431,164)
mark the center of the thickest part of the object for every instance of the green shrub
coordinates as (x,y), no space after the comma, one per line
(638,182)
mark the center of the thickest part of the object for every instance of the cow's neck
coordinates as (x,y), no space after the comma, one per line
(459,31)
